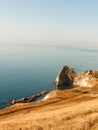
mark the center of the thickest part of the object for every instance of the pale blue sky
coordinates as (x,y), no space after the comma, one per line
(68,22)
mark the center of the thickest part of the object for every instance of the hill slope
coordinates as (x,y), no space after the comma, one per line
(75,109)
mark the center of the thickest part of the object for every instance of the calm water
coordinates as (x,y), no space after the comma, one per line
(27,70)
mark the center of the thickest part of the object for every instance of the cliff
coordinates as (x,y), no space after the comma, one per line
(88,78)
(66,76)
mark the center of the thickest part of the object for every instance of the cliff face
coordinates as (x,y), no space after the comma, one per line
(88,78)
(67,76)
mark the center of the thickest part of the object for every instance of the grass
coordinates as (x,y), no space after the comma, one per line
(65,110)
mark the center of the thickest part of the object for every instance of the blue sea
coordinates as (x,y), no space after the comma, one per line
(28,69)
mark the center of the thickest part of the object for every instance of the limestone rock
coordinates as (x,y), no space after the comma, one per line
(65,76)
(88,78)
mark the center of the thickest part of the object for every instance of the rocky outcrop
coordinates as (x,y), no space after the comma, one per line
(67,76)
(29,99)
(88,78)
(25,99)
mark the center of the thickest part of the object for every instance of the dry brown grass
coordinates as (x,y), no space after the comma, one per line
(66,110)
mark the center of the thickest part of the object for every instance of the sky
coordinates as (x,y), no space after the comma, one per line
(66,22)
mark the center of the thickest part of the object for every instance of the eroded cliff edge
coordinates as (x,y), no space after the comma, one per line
(67,76)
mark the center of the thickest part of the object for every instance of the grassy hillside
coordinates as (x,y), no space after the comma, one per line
(75,109)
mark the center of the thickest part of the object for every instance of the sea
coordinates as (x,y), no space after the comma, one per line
(27,69)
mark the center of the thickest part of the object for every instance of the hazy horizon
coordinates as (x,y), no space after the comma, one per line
(51,22)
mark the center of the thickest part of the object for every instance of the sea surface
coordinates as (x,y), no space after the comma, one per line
(28,69)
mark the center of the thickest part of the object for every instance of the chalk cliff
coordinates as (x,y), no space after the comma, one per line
(88,78)
(65,76)
(68,76)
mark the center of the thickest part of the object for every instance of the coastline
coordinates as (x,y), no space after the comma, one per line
(75,108)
